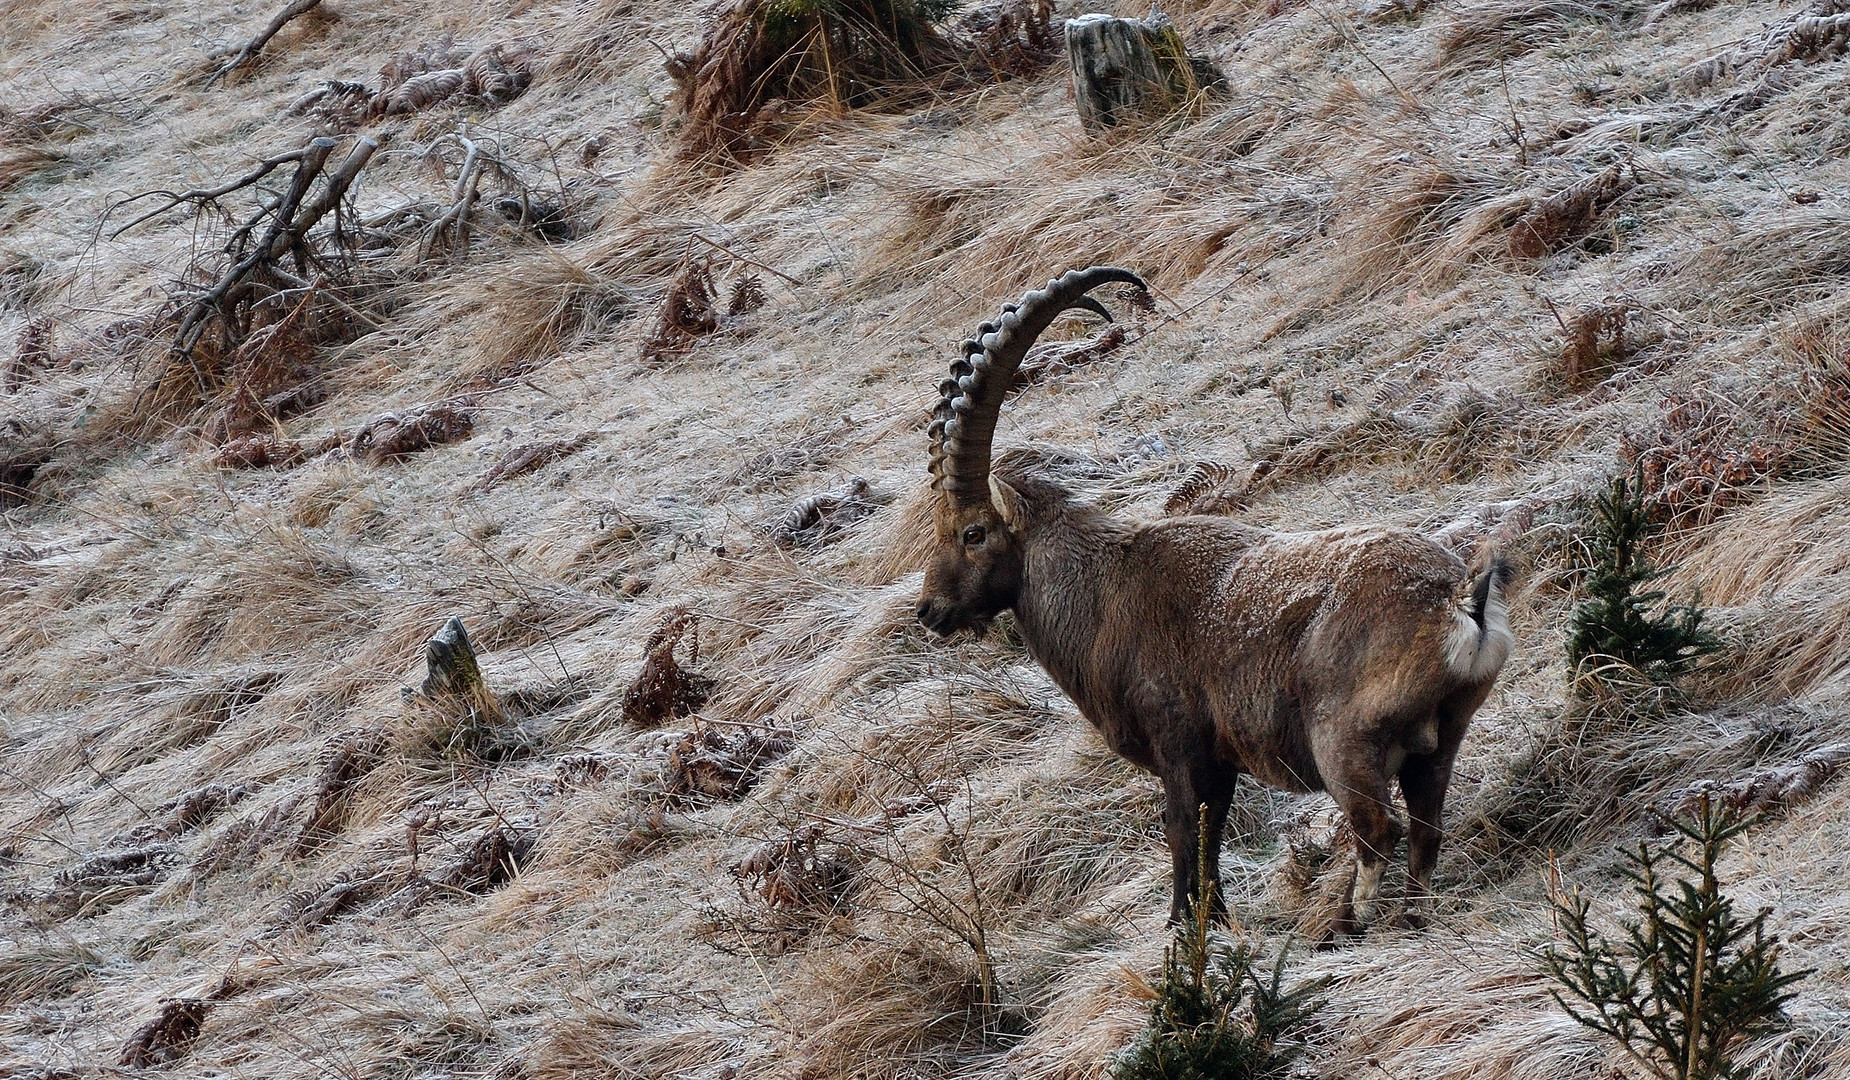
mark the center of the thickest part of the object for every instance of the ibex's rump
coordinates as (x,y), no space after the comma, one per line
(1202,648)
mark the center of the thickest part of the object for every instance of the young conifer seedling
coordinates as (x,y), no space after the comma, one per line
(1618,619)
(1218,1015)
(1689,980)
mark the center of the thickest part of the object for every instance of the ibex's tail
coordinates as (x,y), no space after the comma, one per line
(1480,640)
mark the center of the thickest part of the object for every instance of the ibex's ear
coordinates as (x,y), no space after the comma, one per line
(1007,502)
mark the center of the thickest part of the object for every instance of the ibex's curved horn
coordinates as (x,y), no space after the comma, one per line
(964,423)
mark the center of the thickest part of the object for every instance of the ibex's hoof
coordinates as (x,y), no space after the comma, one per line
(1343,929)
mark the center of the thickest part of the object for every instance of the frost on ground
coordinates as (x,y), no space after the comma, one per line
(543,365)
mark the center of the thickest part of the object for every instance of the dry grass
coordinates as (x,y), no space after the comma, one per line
(865,852)
(48,971)
(885,1013)
(1795,258)
(757,62)
(1776,564)
(1422,222)
(1493,31)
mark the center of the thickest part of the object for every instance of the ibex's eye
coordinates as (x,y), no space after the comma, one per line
(974,535)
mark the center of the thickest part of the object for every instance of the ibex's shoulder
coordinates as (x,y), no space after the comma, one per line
(1203,534)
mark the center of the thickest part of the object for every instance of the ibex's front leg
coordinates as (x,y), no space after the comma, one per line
(1184,798)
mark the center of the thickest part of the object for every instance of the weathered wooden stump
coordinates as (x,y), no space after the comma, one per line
(452,675)
(1128,70)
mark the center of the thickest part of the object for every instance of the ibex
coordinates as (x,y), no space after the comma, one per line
(1202,648)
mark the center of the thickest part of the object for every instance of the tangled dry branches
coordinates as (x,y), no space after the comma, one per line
(1701,458)
(804,870)
(1595,340)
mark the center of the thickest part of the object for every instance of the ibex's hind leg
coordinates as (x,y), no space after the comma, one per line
(1361,789)
(1182,802)
(1423,781)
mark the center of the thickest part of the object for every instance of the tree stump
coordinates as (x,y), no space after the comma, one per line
(1128,70)
(451,674)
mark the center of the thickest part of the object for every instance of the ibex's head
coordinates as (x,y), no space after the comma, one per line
(976,567)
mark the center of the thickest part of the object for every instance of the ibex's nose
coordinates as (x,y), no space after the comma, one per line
(924,612)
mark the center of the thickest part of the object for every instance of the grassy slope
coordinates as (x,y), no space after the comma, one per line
(1336,236)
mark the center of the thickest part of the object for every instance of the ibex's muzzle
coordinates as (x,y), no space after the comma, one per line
(943,617)
(935,617)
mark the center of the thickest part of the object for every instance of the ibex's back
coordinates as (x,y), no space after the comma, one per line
(1203,648)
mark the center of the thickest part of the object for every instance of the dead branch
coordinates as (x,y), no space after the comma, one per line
(455,220)
(294,215)
(201,196)
(248,54)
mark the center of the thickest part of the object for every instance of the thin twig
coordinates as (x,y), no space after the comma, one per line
(248,54)
(749,262)
(204,195)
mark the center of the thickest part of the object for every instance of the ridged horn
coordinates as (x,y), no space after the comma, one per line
(964,423)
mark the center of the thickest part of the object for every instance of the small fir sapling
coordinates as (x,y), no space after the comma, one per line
(1616,621)
(1218,1015)
(1688,980)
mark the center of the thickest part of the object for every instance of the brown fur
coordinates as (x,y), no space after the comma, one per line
(1202,648)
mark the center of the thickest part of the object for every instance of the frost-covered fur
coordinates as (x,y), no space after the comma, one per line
(1203,648)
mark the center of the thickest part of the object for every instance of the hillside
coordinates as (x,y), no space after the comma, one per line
(1451,265)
